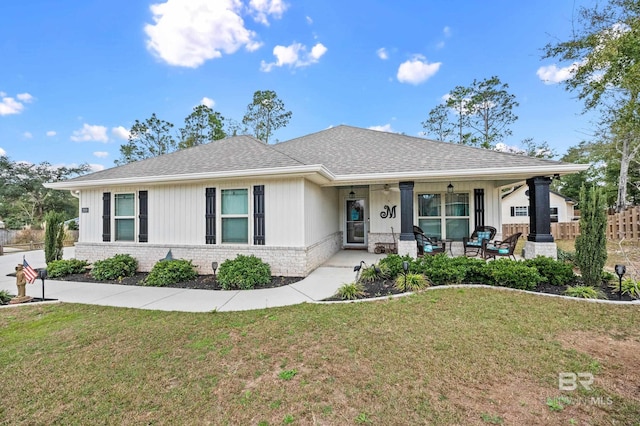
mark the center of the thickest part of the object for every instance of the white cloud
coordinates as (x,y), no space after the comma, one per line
(96,167)
(24,97)
(309,20)
(382,53)
(417,70)
(90,133)
(294,56)
(446,31)
(262,9)
(9,105)
(27,135)
(2,152)
(383,128)
(101,154)
(120,133)
(502,147)
(207,102)
(51,133)
(551,74)
(187,33)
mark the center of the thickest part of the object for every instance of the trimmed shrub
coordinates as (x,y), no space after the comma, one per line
(392,264)
(167,272)
(554,271)
(61,268)
(114,268)
(513,274)
(350,291)
(411,282)
(440,269)
(567,256)
(244,272)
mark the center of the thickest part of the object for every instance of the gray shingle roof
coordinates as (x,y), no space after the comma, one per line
(343,150)
(346,150)
(231,154)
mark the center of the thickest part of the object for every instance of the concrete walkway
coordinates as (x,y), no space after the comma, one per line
(320,284)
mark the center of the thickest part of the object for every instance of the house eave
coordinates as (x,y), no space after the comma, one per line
(316,173)
(502,174)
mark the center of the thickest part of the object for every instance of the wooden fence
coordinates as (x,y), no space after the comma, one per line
(625,224)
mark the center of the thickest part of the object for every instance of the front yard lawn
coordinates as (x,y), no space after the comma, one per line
(446,356)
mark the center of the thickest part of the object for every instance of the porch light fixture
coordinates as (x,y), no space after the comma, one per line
(352,194)
(450,188)
(620,270)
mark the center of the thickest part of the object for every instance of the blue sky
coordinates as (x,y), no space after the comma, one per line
(75,75)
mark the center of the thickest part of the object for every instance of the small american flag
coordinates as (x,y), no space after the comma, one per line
(29,273)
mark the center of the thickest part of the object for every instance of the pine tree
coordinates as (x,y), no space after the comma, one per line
(591,244)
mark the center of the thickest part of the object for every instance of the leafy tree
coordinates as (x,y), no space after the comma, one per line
(23,197)
(603,52)
(203,125)
(591,244)
(438,124)
(235,128)
(53,236)
(537,150)
(457,102)
(147,139)
(266,114)
(491,111)
(482,114)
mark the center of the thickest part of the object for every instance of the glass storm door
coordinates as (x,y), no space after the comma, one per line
(355,222)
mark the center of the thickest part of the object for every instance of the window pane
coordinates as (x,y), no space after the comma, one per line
(125,230)
(429,205)
(431,227)
(457,228)
(235,230)
(457,205)
(125,205)
(235,201)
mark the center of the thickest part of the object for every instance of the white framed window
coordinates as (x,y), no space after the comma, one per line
(234,214)
(125,217)
(444,215)
(553,214)
(520,211)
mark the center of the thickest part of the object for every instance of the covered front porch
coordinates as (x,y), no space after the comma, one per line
(383,215)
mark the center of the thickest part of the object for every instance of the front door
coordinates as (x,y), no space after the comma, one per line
(356,232)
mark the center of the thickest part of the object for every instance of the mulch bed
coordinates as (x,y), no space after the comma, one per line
(377,288)
(202,282)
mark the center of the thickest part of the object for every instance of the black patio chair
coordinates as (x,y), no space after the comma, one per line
(427,245)
(473,244)
(505,247)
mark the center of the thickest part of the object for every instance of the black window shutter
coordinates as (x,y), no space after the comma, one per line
(258,215)
(478,195)
(513,211)
(143,237)
(210,216)
(106,216)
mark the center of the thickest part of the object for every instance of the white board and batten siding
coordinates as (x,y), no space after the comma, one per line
(177,212)
(321,212)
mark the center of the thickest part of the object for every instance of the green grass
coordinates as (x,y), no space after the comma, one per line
(446,356)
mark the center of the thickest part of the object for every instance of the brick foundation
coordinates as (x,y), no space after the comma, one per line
(284,261)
